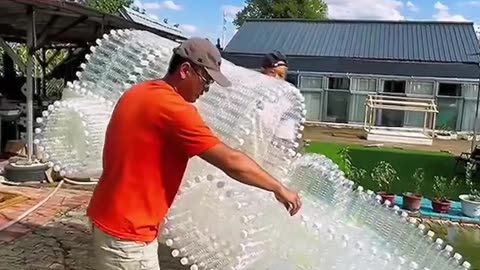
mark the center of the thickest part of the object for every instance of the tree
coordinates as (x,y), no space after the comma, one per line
(295,9)
(109,6)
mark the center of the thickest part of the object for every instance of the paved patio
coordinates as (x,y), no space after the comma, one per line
(56,236)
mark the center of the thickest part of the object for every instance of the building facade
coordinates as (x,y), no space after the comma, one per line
(337,64)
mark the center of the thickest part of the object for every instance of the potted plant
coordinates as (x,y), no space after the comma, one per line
(384,175)
(470,202)
(441,187)
(412,201)
(352,172)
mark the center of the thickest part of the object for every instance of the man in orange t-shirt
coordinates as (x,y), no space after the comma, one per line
(153,132)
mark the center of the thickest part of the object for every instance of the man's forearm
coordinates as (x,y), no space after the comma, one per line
(247,171)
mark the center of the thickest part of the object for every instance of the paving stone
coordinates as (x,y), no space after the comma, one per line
(63,243)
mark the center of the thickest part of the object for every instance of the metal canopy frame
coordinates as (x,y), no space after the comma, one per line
(62,24)
(406,104)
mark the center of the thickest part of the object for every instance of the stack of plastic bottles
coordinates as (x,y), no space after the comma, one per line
(218,223)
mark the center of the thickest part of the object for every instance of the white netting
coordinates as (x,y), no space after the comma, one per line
(217,223)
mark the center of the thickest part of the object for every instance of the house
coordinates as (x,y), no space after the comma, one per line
(338,63)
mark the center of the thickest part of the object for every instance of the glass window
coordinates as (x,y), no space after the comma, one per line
(339,83)
(468,118)
(311,82)
(422,88)
(357,108)
(313,104)
(470,90)
(449,109)
(293,79)
(391,118)
(450,89)
(337,106)
(366,85)
(416,119)
(397,87)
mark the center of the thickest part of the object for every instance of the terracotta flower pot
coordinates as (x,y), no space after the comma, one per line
(441,206)
(412,201)
(387,197)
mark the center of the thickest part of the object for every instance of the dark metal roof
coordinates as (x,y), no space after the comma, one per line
(364,66)
(58,21)
(449,42)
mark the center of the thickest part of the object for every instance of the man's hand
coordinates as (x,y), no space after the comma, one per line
(289,199)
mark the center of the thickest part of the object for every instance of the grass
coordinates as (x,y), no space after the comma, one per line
(465,240)
(405,163)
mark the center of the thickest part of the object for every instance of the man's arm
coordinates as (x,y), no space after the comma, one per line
(243,169)
(198,140)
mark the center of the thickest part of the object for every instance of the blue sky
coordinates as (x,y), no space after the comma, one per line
(204,17)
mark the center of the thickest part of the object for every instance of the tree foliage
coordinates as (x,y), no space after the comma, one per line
(109,6)
(295,9)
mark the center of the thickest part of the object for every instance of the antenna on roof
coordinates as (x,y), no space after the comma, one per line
(165,20)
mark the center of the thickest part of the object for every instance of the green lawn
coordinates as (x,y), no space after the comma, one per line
(405,163)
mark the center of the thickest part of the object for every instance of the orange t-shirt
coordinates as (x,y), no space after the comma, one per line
(151,136)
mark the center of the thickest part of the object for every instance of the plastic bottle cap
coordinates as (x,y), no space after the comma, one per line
(448,248)
(430,233)
(457,256)
(184,261)
(439,241)
(466,265)
(421,227)
(169,242)
(175,253)
(414,265)
(193,267)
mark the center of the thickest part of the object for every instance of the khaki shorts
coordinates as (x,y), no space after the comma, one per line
(114,254)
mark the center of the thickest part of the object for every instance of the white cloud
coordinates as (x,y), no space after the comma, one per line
(188,29)
(152,6)
(412,7)
(474,3)
(231,11)
(365,9)
(171,5)
(442,13)
(156,6)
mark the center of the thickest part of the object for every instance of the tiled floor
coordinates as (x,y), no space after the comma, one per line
(63,200)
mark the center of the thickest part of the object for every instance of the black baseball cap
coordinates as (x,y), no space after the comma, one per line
(274,59)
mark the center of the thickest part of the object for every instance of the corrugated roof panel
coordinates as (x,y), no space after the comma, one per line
(385,40)
(140,18)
